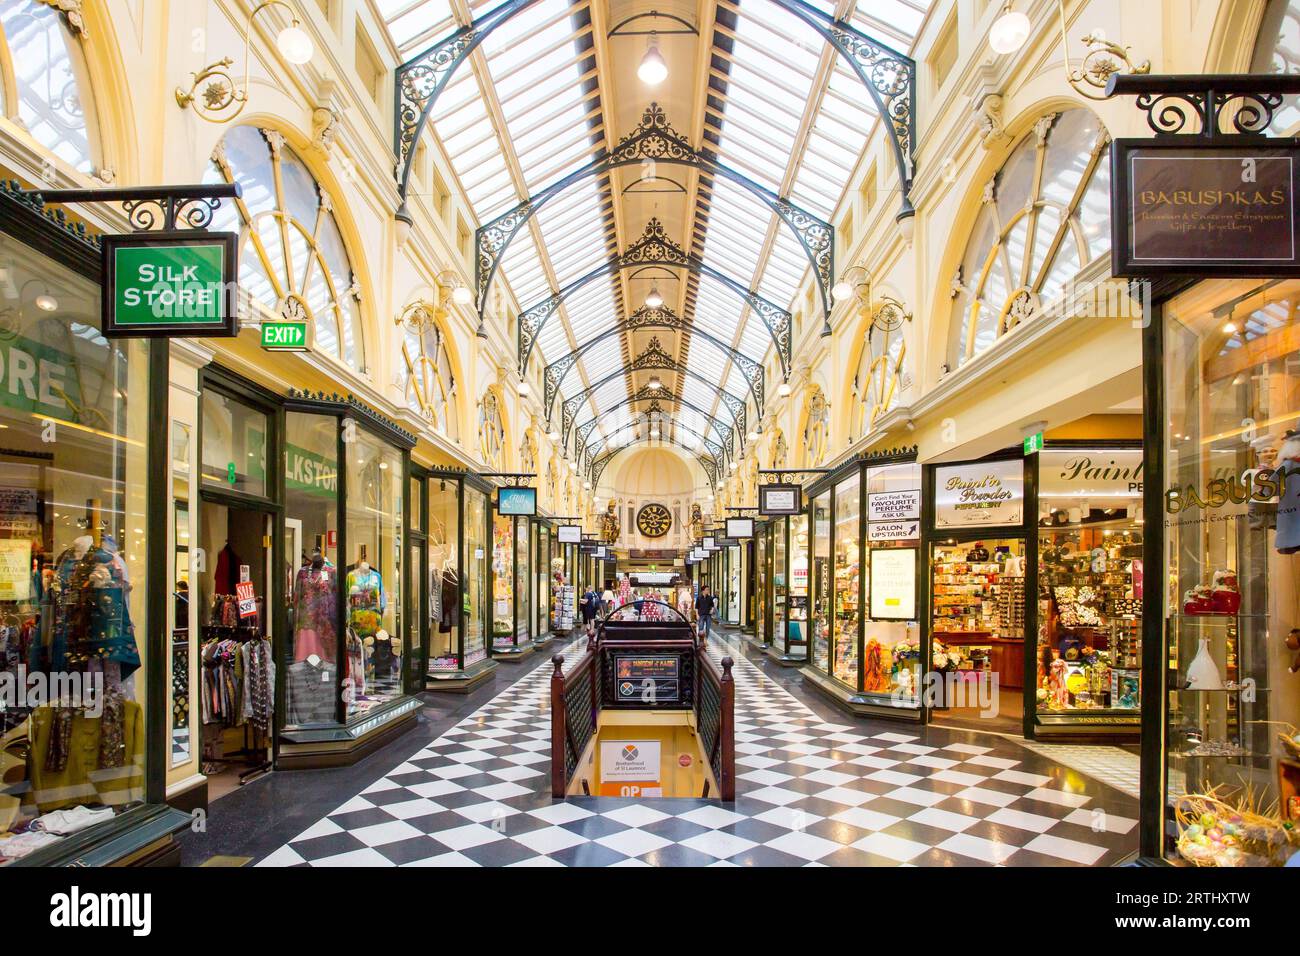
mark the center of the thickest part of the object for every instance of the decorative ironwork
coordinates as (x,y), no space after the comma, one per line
(351,403)
(655,247)
(655,139)
(1225,106)
(654,357)
(654,520)
(647,318)
(32,201)
(889,76)
(147,208)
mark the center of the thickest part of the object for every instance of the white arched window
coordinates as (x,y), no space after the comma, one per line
(43,82)
(879,377)
(428,381)
(1045,215)
(291,258)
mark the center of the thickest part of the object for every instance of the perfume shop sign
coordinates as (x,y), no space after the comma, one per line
(979,494)
(1210,210)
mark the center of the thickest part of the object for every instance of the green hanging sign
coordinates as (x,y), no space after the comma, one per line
(163,284)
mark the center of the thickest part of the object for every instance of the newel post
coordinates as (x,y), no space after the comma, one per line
(559,779)
(727,731)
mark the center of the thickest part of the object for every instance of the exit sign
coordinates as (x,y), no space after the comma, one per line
(1034,443)
(162,284)
(284,336)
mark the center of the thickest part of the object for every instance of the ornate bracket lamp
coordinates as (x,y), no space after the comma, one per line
(886,313)
(422,314)
(221,99)
(1010,32)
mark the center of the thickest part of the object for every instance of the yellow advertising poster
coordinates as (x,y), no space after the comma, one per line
(15,569)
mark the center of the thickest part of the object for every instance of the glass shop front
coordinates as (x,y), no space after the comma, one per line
(542,536)
(511,579)
(80,746)
(787,588)
(865,558)
(1222,680)
(458,506)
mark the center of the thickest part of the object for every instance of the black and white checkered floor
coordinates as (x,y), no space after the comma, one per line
(810,792)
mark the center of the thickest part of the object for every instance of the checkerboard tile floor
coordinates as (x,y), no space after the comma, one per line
(809,792)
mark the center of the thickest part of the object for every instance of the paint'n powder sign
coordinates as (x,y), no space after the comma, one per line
(979,494)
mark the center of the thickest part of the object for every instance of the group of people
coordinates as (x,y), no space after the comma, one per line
(594,604)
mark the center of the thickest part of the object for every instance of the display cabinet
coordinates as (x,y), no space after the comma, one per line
(865,630)
(1220,688)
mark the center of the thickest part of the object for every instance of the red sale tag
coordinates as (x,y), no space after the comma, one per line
(247,599)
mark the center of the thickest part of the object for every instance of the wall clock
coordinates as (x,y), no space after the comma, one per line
(653,520)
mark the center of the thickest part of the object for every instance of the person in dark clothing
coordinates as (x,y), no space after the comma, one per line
(704,608)
(590,607)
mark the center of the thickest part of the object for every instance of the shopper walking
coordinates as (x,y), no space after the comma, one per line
(704,608)
(590,603)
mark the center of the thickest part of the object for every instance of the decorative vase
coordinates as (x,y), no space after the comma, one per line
(1203,674)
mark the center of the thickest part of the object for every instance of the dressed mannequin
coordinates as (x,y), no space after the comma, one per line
(314,596)
(366,603)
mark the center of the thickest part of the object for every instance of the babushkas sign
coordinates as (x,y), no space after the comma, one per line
(1205,210)
(979,494)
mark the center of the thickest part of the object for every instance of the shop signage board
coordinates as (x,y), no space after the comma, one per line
(568,534)
(894,506)
(521,502)
(979,494)
(1204,208)
(163,284)
(778,499)
(284,336)
(709,543)
(1090,473)
(647,678)
(247,599)
(893,584)
(894,531)
(740,527)
(630,768)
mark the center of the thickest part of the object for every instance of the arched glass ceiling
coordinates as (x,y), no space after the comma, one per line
(779,106)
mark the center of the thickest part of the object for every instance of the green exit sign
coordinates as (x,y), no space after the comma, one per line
(161,284)
(284,336)
(1034,443)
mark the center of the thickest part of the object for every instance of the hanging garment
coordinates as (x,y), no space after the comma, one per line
(65,765)
(311,694)
(315,597)
(366,601)
(226,575)
(1287,476)
(88,614)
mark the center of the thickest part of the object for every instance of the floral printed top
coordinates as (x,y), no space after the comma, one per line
(366,601)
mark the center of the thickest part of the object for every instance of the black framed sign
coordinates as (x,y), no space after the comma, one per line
(569,534)
(1205,208)
(778,499)
(517,501)
(163,284)
(740,527)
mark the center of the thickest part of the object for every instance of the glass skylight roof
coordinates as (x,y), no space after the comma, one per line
(528,108)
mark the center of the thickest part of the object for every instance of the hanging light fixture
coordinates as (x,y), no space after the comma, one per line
(783,390)
(654,300)
(654,382)
(524,389)
(1010,30)
(653,70)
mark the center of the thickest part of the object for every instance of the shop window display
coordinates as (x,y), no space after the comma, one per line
(1090,580)
(780,584)
(848,585)
(891,635)
(797,626)
(503,571)
(522,572)
(372,584)
(311,543)
(1232,562)
(444,575)
(72,560)
(474,600)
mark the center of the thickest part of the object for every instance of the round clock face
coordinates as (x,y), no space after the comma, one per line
(653,520)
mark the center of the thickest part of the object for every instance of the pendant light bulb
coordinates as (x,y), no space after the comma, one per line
(295,45)
(653,70)
(1010,31)
(654,300)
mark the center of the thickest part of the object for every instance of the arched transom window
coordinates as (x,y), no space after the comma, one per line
(43,82)
(292,258)
(880,375)
(1045,215)
(429,383)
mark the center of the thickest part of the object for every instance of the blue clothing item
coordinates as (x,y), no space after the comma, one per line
(1287,476)
(86,606)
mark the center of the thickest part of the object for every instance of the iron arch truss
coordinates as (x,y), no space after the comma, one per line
(713,448)
(654,357)
(647,318)
(725,449)
(654,139)
(889,77)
